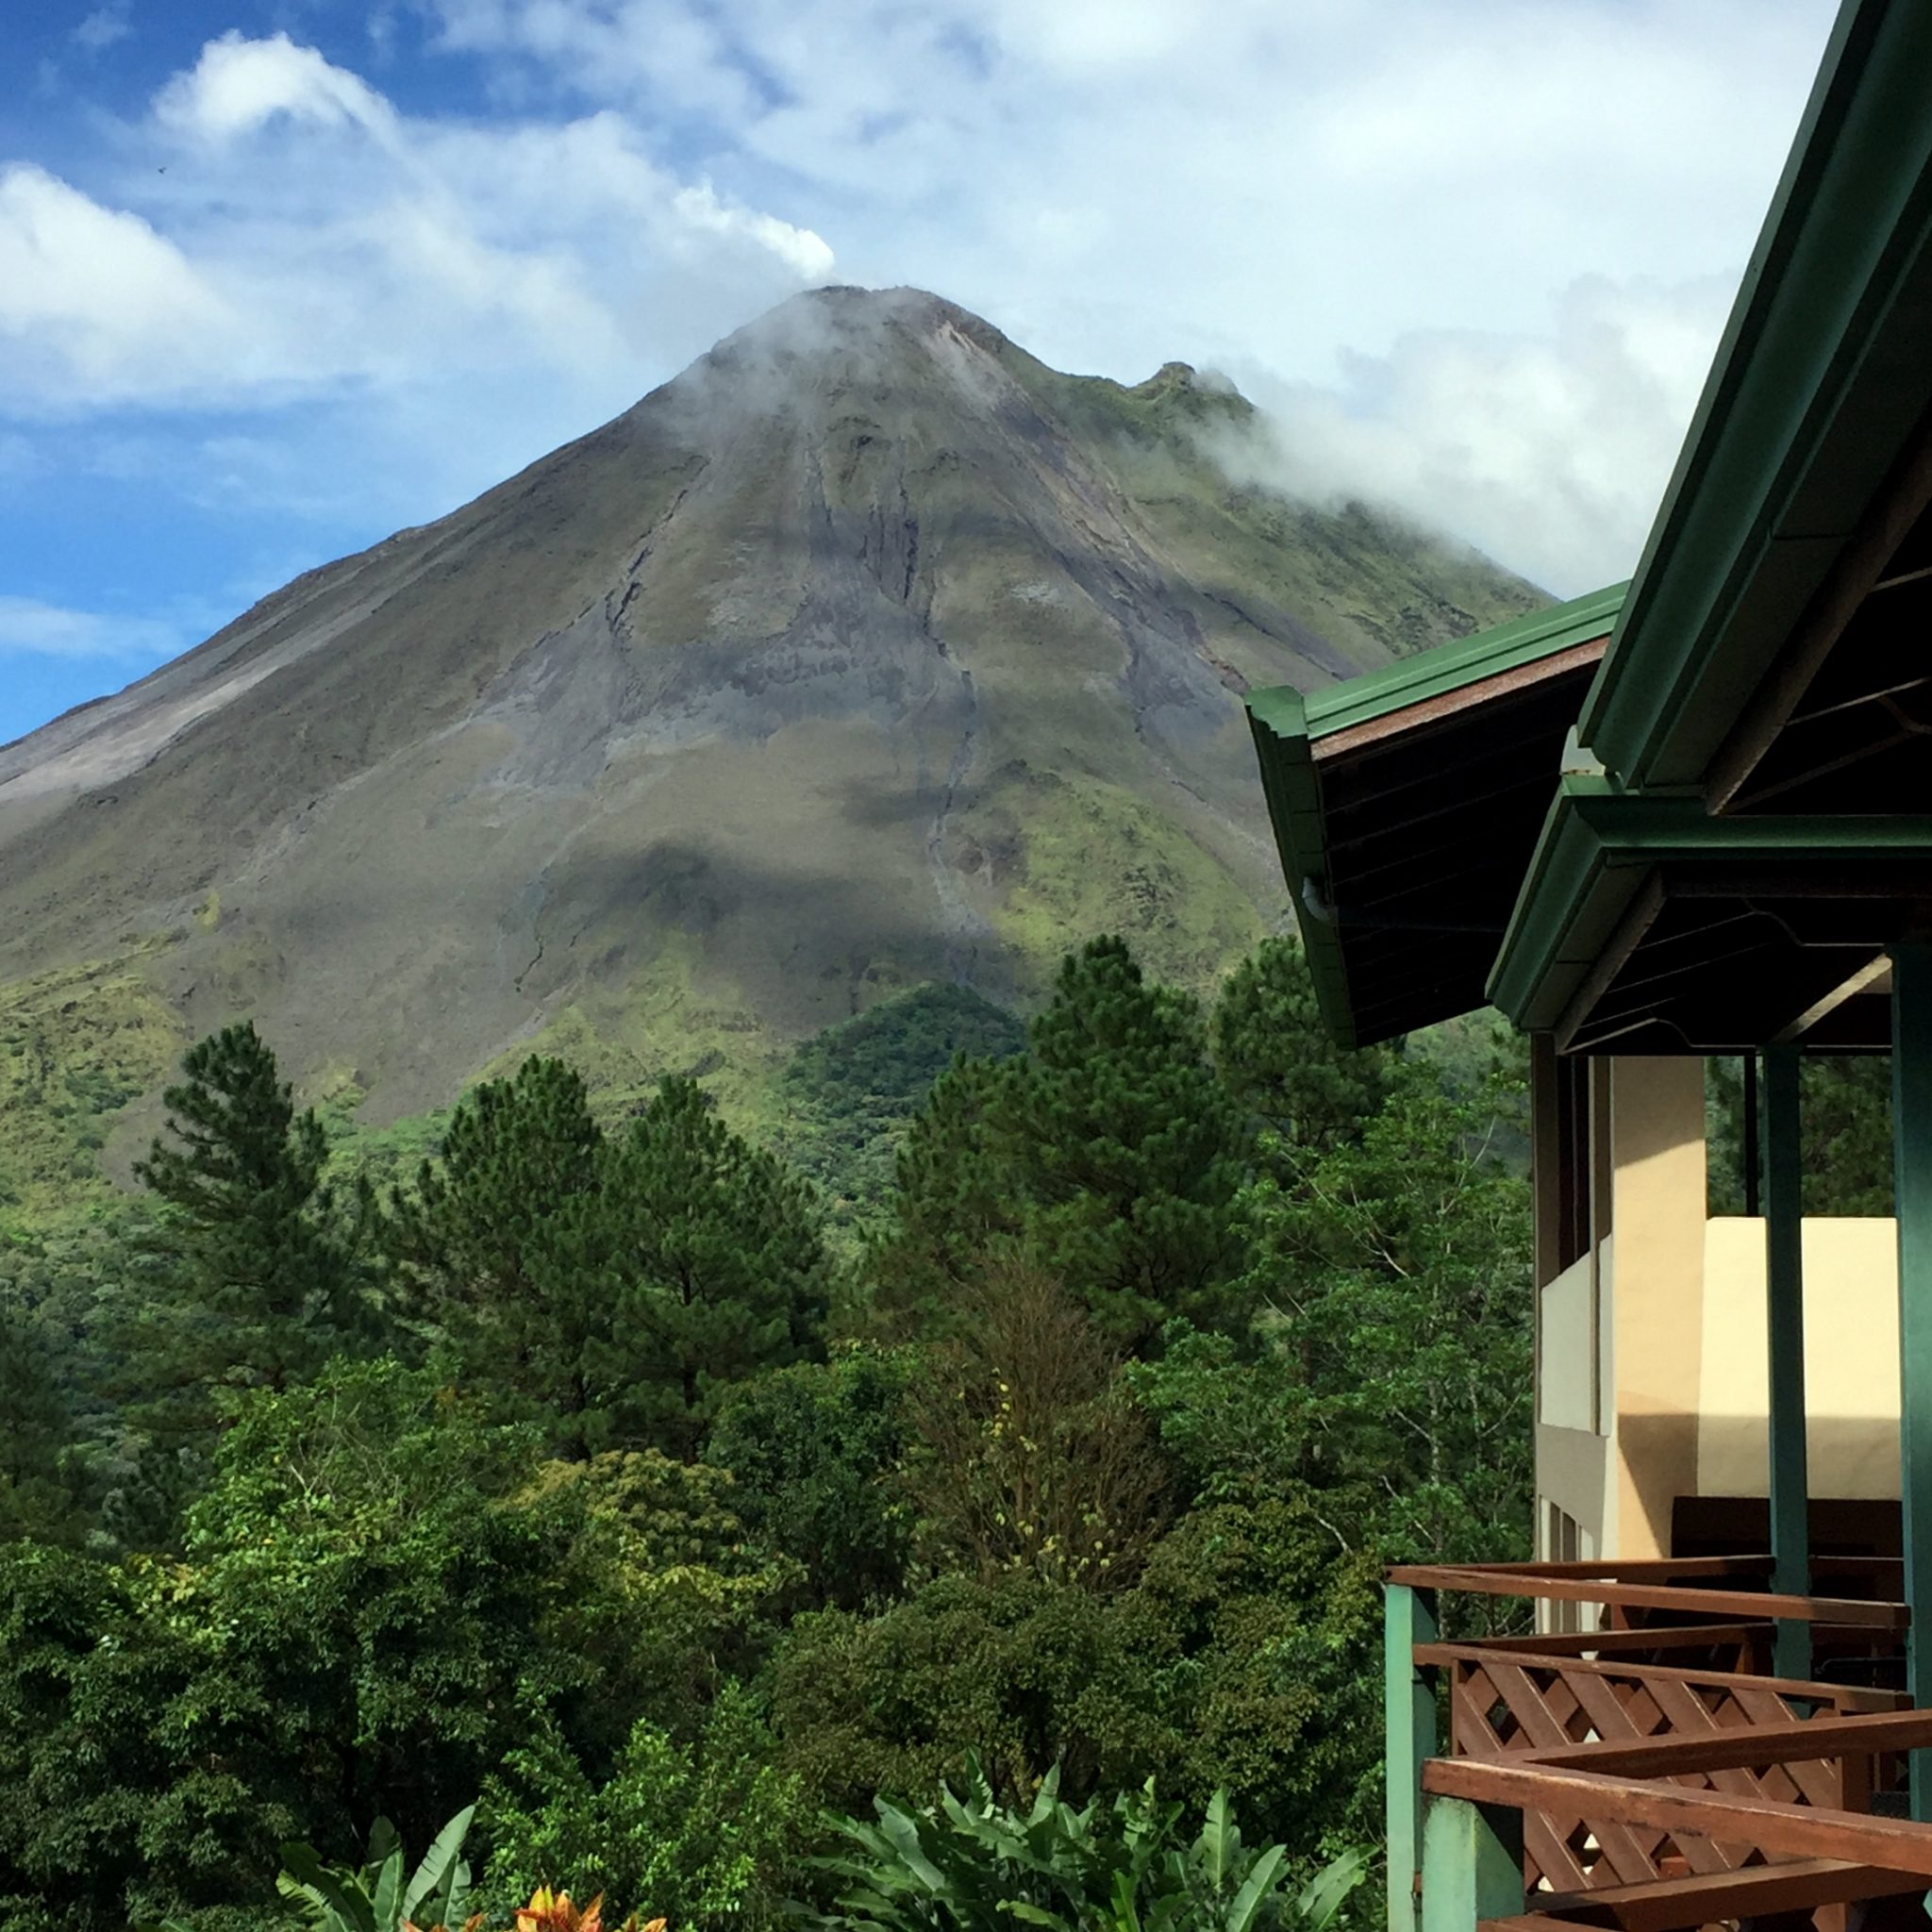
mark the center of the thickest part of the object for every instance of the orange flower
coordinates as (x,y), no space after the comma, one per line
(551,1912)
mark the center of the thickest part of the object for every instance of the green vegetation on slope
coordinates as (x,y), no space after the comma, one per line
(75,1045)
(606,1522)
(838,1109)
(1367,580)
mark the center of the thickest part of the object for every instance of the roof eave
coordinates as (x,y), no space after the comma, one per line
(1466,662)
(1278,719)
(1850,223)
(1598,846)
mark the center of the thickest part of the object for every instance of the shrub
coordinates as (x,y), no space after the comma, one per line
(973,1865)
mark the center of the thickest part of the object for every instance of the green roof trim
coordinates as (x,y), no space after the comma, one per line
(1278,719)
(1288,724)
(1598,845)
(1450,667)
(1786,448)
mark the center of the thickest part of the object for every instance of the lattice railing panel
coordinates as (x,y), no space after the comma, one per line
(1503,1705)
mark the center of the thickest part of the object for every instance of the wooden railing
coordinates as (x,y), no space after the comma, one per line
(1649,1773)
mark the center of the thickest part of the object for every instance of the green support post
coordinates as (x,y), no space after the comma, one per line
(1784,1284)
(1911,1144)
(1471,1865)
(1408,1712)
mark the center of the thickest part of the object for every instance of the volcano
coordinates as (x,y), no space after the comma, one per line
(869,651)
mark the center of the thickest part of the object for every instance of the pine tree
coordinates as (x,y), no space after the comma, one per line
(953,1202)
(1278,1062)
(1126,1144)
(462,1246)
(699,1261)
(40,1478)
(1109,1151)
(257,1276)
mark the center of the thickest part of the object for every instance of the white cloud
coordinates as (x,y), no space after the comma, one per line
(95,299)
(240,85)
(1551,451)
(1478,257)
(308,240)
(104,27)
(805,252)
(48,630)
(1475,254)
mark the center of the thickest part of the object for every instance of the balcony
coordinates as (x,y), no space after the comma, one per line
(1636,1764)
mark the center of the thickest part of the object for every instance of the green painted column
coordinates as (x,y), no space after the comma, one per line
(1784,1286)
(1408,1712)
(1471,1865)
(1911,1145)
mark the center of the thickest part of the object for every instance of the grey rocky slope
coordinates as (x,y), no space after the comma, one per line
(868,651)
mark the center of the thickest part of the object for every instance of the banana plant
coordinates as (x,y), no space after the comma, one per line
(377,1897)
(971,1865)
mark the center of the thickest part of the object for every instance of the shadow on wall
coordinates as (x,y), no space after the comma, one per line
(1854,1458)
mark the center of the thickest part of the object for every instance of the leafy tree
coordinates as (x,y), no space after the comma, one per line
(697,1261)
(1034,1455)
(74,1764)
(667,1514)
(1271,1635)
(1396,1275)
(1109,1147)
(816,1450)
(259,1279)
(1235,1421)
(1845,1133)
(1245,1655)
(1278,1062)
(704,1831)
(41,1482)
(377,1602)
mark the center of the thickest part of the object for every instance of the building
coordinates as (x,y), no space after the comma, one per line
(1686,817)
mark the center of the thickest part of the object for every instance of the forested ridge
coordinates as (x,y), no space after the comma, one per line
(872,1521)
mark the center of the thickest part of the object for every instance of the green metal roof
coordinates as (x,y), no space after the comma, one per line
(1799,493)
(1440,670)
(1822,373)
(1291,729)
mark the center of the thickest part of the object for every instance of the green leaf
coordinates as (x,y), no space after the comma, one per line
(389,1888)
(1034,1915)
(1219,1843)
(336,1900)
(384,1840)
(1261,1881)
(438,1860)
(902,1829)
(1322,1896)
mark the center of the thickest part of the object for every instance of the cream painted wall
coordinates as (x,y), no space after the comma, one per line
(1566,1382)
(1656,1292)
(1851,1359)
(1680,1350)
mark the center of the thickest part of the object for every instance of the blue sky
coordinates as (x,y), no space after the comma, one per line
(279,277)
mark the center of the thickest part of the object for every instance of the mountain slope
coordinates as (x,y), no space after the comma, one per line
(869,651)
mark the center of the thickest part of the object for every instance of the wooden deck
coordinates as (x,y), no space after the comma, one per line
(1647,1771)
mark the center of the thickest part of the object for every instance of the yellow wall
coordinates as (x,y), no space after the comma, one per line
(1655,1285)
(1851,1359)
(1651,1370)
